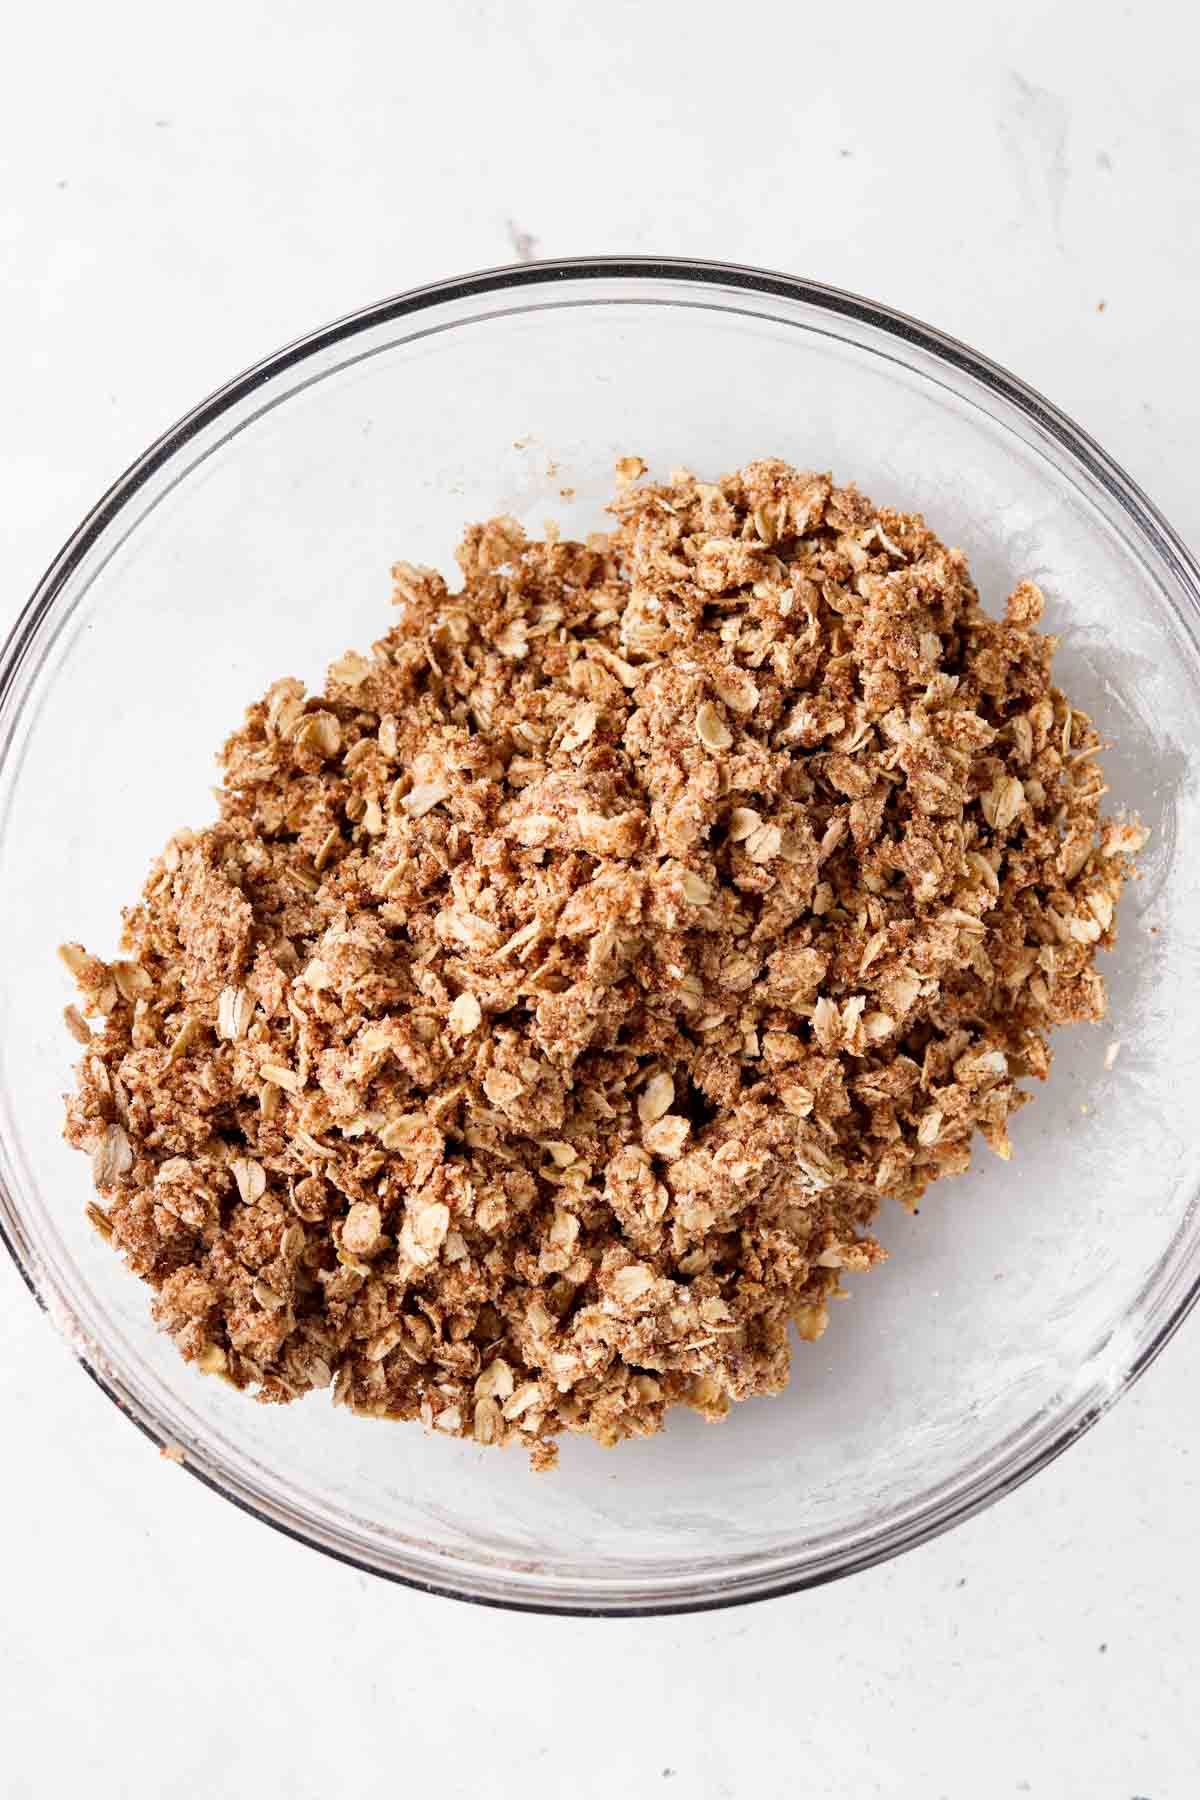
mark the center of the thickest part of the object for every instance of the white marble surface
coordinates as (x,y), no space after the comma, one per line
(180,193)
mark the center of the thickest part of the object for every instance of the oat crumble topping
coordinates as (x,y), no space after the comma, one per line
(557,997)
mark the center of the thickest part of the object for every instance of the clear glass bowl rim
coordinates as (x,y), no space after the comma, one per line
(1165,544)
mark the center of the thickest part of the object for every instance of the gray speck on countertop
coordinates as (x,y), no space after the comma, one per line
(523,242)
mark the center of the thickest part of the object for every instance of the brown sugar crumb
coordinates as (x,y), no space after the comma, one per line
(559,994)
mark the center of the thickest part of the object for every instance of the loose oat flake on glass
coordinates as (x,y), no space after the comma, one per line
(537,1032)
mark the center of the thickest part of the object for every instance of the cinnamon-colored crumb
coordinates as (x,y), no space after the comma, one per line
(541,1025)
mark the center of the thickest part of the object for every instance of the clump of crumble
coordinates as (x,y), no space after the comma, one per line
(538,1030)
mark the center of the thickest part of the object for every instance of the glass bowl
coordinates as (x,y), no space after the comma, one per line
(255,540)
